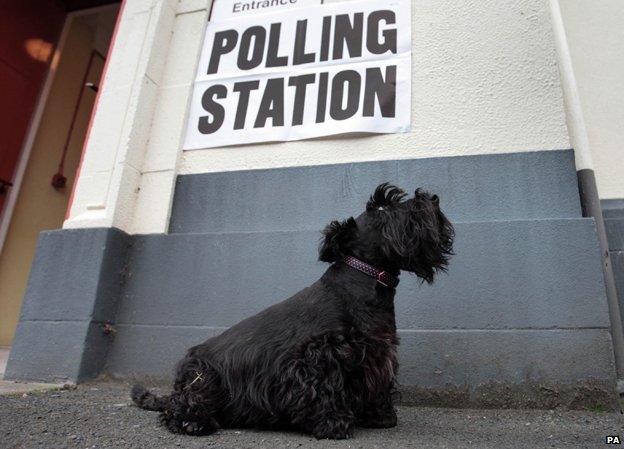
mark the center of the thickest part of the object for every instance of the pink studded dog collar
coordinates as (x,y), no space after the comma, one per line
(381,276)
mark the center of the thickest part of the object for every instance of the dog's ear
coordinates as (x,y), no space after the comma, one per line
(385,195)
(338,240)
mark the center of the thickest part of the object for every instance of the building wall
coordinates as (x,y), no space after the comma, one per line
(596,37)
(520,320)
(40,206)
(596,40)
(482,74)
(484,81)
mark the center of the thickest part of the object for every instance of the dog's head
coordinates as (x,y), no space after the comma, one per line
(394,233)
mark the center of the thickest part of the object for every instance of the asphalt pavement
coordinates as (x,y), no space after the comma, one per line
(101,415)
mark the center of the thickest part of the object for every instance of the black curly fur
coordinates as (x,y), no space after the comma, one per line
(324,360)
(385,195)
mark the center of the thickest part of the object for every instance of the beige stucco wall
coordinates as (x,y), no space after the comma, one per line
(595,33)
(484,80)
(39,205)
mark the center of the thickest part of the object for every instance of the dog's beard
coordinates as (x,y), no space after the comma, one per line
(419,238)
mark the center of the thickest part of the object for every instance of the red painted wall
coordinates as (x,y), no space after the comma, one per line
(29,30)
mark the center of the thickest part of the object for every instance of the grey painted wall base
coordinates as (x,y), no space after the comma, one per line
(613,212)
(74,286)
(521,315)
(460,368)
(591,207)
(515,186)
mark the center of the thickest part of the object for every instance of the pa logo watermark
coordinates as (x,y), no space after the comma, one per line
(613,439)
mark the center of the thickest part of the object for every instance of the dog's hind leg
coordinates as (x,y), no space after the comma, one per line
(318,389)
(197,398)
(189,414)
(335,424)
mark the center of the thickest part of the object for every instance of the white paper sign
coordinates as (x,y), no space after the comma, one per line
(227,9)
(307,72)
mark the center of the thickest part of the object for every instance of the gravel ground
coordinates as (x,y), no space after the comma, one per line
(100,415)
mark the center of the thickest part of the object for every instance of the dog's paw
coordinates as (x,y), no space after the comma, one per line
(192,428)
(340,435)
(199,428)
(379,420)
(333,430)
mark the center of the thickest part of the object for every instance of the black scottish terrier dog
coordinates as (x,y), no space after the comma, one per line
(324,360)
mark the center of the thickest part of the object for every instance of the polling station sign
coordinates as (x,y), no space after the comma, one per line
(226,9)
(306,72)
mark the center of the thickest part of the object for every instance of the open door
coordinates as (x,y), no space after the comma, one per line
(54,142)
(28,34)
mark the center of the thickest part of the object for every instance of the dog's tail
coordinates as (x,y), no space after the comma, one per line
(147,400)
